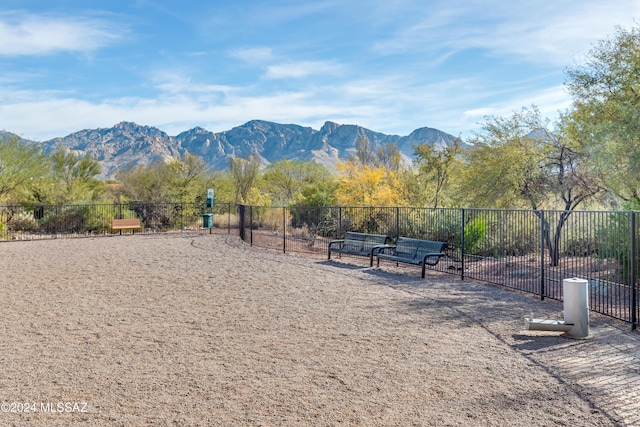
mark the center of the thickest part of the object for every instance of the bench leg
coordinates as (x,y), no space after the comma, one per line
(424,266)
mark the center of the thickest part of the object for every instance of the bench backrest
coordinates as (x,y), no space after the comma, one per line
(416,249)
(125,223)
(361,241)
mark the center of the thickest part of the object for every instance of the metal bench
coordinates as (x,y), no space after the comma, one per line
(126,224)
(358,244)
(412,251)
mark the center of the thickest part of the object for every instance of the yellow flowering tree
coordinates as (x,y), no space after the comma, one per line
(366,185)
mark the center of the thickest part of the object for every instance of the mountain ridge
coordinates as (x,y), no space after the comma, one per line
(128,143)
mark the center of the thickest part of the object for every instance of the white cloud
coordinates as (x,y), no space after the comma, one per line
(301,69)
(542,32)
(256,55)
(25,34)
(558,32)
(172,83)
(386,94)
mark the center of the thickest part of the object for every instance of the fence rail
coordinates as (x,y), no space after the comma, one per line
(530,251)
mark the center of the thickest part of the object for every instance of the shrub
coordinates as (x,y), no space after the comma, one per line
(22,222)
(614,243)
(474,232)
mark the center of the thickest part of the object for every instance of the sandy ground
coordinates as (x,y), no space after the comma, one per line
(183,329)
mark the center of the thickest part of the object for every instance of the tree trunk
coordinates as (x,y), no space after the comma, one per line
(552,243)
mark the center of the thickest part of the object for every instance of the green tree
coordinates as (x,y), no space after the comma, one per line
(178,180)
(243,173)
(75,176)
(606,111)
(504,162)
(434,167)
(187,179)
(322,193)
(20,165)
(286,179)
(222,183)
(517,162)
(146,183)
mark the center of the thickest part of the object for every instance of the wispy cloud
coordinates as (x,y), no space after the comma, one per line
(171,83)
(391,67)
(302,69)
(256,55)
(24,34)
(540,32)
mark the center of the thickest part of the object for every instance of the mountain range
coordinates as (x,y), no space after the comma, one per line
(128,143)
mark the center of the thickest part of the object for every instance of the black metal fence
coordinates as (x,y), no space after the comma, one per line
(64,221)
(530,251)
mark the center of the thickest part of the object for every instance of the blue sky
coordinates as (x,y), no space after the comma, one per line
(390,66)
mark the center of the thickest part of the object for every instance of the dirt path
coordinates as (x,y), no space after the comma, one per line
(182,329)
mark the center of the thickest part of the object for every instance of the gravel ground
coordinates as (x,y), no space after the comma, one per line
(196,329)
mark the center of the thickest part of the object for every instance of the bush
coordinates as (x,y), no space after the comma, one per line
(64,219)
(22,222)
(614,243)
(474,232)
(580,247)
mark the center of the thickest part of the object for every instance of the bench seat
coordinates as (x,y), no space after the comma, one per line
(362,244)
(412,251)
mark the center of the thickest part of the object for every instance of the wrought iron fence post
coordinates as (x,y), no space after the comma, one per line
(633,258)
(251,225)
(462,244)
(542,278)
(284,230)
(397,222)
(339,236)
(241,212)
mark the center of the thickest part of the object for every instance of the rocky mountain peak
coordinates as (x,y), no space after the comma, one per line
(129,143)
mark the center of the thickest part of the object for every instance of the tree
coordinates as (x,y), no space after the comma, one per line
(187,178)
(386,155)
(178,180)
(222,184)
(146,183)
(434,167)
(20,165)
(244,173)
(503,162)
(365,151)
(606,111)
(517,162)
(285,179)
(75,176)
(322,193)
(389,156)
(367,185)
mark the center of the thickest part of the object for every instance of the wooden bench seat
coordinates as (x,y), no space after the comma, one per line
(412,251)
(362,244)
(126,224)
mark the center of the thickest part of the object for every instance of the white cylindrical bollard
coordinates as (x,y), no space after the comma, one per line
(576,306)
